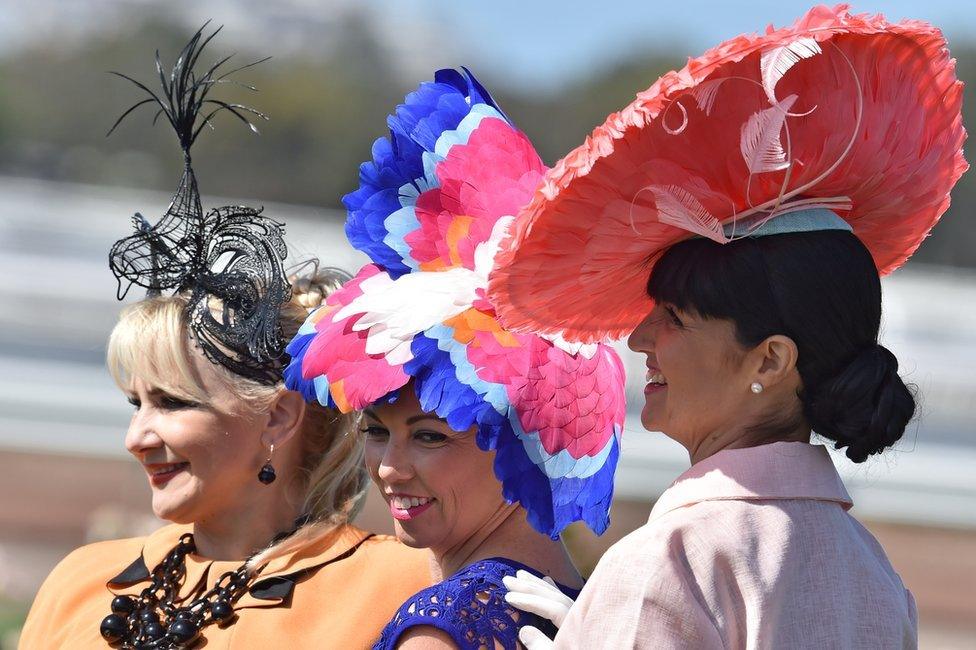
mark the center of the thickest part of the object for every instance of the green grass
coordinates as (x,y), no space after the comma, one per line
(12,615)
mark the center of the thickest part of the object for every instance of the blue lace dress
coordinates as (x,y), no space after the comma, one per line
(469,606)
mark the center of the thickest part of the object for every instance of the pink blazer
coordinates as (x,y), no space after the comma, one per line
(750,548)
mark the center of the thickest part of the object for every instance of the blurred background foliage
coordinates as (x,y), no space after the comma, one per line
(57,102)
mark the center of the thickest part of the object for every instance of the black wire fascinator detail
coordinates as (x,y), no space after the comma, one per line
(229,261)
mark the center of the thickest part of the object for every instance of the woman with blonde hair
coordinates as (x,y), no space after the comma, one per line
(258,486)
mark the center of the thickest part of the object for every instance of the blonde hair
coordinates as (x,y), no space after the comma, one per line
(151,341)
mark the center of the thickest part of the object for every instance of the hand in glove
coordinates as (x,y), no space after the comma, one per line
(538,596)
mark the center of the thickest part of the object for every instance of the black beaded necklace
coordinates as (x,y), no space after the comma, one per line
(152,620)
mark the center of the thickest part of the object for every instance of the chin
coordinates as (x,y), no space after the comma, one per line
(410,538)
(650,421)
(176,513)
(178,508)
(406,538)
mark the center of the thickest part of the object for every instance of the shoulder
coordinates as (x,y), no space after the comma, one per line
(484,574)
(709,552)
(681,546)
(469,607)
(648,585)
(99,561)
(75,591)
(725,526)
(479,586)
(657,538)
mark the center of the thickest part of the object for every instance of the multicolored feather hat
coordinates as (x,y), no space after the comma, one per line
(840,112)
(430,211)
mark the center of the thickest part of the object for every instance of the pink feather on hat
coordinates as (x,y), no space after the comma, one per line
(849,112)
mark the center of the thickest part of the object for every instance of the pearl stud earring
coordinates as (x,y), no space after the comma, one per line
(756,387)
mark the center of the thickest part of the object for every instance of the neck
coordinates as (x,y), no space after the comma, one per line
(236,533)
(508,534)
(739,438)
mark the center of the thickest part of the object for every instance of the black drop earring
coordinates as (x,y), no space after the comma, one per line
(267,474)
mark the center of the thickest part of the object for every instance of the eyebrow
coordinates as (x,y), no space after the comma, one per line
(411,420)
(159,392)
(418,418)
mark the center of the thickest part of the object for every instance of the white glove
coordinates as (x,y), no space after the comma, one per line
(538,596)
(533,639)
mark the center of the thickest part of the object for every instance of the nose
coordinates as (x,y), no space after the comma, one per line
(395,464)
(642,338)
(141,435)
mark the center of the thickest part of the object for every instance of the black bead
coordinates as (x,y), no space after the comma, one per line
(267,474)
(183,631)
(113,628)
(123,605)
(148,616)
(221,610)
(154,631)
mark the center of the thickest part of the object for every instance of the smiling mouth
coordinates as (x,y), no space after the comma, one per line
(404,507)
(655,377)
(161,474)
(405,502)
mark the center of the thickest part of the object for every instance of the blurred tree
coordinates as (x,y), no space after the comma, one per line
(57,102)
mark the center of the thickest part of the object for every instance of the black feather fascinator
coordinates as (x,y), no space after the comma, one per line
(229,261)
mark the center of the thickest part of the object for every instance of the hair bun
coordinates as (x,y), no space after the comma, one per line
(865,407)
(311,287)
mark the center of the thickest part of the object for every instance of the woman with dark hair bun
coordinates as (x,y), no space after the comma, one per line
(734,222)
(847,385)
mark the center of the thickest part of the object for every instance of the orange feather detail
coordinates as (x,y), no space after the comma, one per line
(467,323)
(339,396)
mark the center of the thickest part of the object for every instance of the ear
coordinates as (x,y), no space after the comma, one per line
(284,418)
(777,357)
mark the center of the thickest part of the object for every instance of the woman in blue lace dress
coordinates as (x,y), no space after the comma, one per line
(444,496)
(485,443)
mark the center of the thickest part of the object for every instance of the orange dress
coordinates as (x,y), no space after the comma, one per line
(338,592)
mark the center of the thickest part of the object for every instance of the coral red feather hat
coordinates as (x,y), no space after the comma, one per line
(845,112)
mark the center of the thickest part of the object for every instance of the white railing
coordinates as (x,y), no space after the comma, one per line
(57,306)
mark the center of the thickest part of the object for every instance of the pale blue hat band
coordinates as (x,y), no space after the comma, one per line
(812,220)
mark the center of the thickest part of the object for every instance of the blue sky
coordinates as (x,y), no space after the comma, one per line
(541,44)
(545,43)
